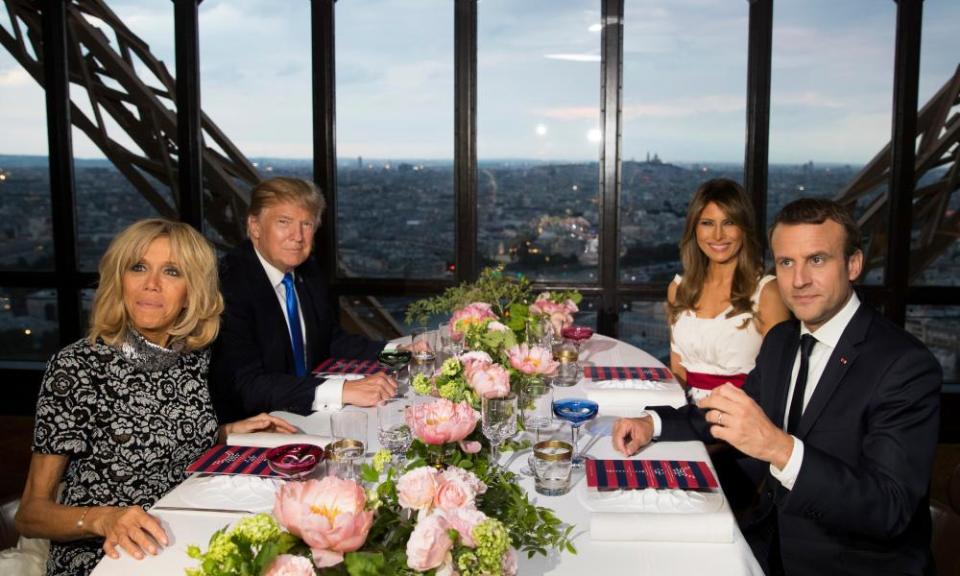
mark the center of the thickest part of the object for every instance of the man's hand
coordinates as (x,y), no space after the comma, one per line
(370,390)
(738,420)
(631,434)
(418,346)
(262,422)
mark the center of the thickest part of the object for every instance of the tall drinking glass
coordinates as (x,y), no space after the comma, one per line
(576,411)
(392,429)
(499,422)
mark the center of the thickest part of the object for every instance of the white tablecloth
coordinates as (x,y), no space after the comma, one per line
(593,557)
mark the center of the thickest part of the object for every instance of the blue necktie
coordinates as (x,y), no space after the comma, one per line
(296,336)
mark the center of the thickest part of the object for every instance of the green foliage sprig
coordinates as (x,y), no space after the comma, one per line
(494,287)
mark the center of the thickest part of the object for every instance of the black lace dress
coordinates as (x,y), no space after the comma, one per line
(130,419)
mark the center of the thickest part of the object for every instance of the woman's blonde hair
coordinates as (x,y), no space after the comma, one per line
(733,200)
(199,322)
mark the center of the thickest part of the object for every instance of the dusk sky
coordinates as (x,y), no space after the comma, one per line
(539,77)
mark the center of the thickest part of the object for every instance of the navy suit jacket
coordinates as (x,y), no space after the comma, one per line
(252,367)
(860,502)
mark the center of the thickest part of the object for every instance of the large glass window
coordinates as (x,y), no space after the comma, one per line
(120,167)
(538,137)
(26,230)
(830,113)
(936,260)
(255,74)
(29,327)
(936,326)
(395,138)
(684,78)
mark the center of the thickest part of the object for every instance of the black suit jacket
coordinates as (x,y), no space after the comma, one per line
(860,502)
(252,367)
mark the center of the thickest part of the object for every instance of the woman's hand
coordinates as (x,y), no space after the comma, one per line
(128,527)
(260,423)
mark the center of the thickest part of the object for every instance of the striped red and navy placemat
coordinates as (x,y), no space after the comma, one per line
(639,474)
(627,373)
(348,366)
(224,459)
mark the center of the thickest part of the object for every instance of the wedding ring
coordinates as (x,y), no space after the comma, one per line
(719,417)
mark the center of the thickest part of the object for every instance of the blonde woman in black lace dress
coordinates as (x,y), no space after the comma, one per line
(124,411)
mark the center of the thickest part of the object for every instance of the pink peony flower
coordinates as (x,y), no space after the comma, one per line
(441,421)
(470,314)
(532,360)
(497,327)
(429,544)
(560,314)
(474,356)
(489,380)
(509,564)
(417,489)
(290,565)
(457,490)
(463,520)
(327,514)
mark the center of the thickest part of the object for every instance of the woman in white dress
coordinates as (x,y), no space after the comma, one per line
(723,305)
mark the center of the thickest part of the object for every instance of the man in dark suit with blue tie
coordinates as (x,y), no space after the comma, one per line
(278,320)
(842,409)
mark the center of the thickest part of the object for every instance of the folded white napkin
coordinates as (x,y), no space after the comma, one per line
(273,439)
(250,493)
(658,515)
(626,397)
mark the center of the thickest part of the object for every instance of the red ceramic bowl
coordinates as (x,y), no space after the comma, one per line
(294,459)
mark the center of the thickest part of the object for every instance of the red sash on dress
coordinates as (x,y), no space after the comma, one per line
(711,381)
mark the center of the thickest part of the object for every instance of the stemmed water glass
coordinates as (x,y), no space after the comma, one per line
(536,409)
(392,429)
(576,411)
(499,422)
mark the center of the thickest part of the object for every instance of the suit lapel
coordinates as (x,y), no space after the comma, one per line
(843,356)
(265,294)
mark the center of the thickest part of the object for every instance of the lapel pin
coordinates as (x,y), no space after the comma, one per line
(843,360)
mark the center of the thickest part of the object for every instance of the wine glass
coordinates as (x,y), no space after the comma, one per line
(392,429)
(577,334)
(576,411)
(499,417)
(394,361)
(536,409)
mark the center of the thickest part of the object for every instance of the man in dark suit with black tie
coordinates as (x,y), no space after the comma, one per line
(842,405)
(278,320)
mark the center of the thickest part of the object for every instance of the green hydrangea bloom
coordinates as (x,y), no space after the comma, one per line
(451,367)
(380,460)
(493,541)
(422,385)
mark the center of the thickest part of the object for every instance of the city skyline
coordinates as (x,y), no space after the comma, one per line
(538,78)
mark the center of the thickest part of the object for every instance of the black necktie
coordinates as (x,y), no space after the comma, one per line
(796,405)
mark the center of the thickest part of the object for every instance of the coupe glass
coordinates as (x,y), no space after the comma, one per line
(392,429)
(395,361)
(499,417)
(576,411)
(577,334)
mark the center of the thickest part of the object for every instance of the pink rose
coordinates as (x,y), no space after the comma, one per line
(469,315)
(532,360)
(429,543)
(471,479)
(441,421)
(509,564)
(463,520)
(489,380)
(497,327)
(475,356)
(327,514)
(417,489)
(290,565)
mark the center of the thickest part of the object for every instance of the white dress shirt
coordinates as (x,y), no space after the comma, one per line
(330,394)
(827,337)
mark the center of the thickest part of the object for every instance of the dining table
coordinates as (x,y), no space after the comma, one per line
(645,544)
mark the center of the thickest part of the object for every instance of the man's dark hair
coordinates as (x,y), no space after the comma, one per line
(818,211)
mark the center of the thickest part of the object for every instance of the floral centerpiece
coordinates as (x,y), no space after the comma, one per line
(447,512)
(449,517)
